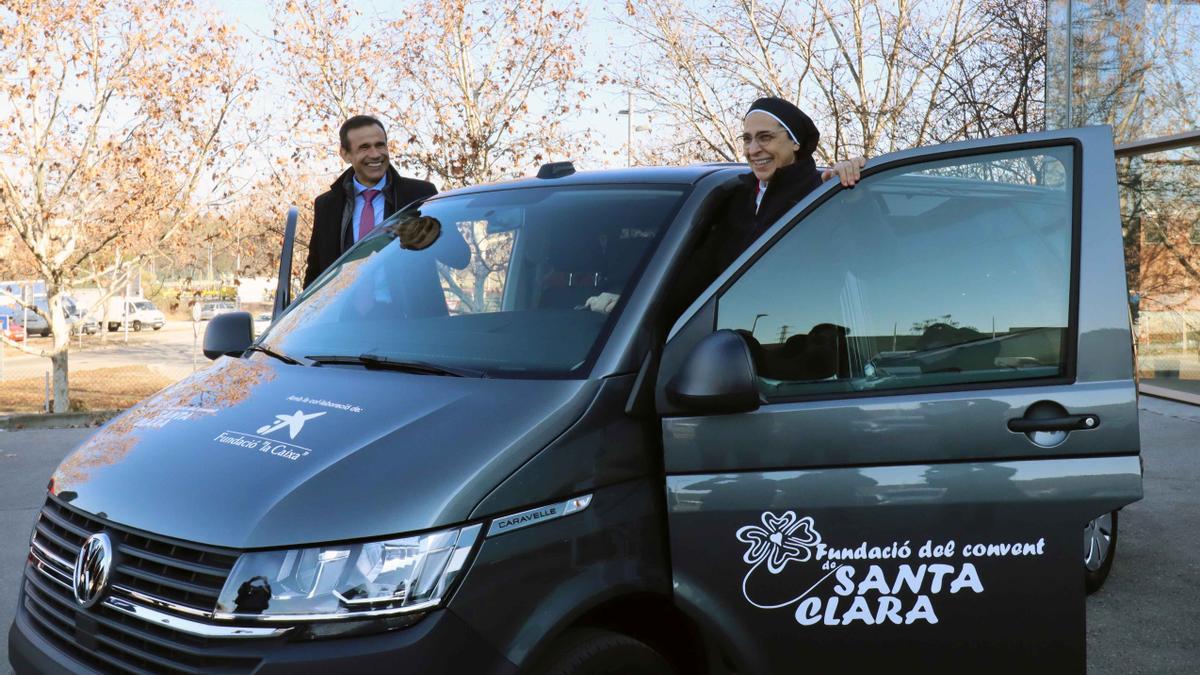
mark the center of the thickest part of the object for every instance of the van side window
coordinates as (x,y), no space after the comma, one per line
(940,273)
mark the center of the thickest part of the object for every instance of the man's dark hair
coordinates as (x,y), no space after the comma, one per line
(356,122)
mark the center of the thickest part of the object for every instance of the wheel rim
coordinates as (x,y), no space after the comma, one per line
(1097,540)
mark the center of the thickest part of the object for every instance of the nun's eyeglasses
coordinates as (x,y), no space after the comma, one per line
(762,137)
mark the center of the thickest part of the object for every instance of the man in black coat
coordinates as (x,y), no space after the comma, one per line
(362,197)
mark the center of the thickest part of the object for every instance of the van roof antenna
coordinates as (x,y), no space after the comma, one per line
(556,170)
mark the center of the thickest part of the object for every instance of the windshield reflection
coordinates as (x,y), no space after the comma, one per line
(494,282)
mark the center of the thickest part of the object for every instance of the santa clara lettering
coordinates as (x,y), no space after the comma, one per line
(875,595)
(886,609)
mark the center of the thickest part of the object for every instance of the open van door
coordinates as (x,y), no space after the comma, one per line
(886,425)
(283,287)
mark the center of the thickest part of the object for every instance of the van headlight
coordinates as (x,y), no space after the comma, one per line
(347,581)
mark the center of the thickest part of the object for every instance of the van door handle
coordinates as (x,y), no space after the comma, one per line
(1027,425)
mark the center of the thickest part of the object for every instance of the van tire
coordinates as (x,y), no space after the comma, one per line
(1102,528)
(594,651)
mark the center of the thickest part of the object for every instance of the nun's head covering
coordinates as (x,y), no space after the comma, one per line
(798,125)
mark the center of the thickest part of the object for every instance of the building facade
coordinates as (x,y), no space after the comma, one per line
(1135,65)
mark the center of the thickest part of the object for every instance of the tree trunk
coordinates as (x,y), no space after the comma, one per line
(58,355)
(480,271)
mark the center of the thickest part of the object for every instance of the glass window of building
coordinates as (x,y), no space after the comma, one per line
(1133,65)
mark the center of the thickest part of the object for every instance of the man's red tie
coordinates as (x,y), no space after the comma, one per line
(366,222)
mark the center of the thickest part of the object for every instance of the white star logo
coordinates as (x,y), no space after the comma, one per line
(294,423)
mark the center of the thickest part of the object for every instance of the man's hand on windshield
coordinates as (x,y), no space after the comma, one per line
(848,171)
(602,303)
(418,233)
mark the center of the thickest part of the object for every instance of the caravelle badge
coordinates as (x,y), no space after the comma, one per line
(92,568)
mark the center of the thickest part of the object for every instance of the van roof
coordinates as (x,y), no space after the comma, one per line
(663,175)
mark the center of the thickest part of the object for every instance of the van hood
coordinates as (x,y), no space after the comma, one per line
(255,453)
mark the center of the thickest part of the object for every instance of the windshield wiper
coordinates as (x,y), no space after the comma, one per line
(377,362)
(279,355)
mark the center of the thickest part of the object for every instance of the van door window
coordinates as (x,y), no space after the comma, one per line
(943,273)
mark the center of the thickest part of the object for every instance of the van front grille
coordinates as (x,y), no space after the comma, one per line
(184,574)
(160,570)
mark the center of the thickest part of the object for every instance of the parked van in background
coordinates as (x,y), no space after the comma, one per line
(34,323)
(139,312)
(869,445)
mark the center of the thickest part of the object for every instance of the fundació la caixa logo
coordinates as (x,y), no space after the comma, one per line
(294,423)
(898,593)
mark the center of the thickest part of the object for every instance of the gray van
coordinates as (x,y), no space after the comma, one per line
(871,441)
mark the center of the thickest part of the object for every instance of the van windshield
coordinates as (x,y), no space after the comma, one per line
(503,289)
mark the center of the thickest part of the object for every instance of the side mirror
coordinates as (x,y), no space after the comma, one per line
(228,334)
(718,376)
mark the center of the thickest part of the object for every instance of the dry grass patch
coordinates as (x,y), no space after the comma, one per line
(99,389)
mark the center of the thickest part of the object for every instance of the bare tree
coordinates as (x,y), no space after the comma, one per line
(996,86)
(333,67)
(113,120)
(873,74)
(696,70)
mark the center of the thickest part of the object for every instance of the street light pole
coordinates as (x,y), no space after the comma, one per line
(628,112)
(755,323)
(629,132)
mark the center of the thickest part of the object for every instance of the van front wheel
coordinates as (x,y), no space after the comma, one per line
(593,651)
(1099,549)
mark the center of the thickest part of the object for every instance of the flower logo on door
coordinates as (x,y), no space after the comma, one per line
(780,540)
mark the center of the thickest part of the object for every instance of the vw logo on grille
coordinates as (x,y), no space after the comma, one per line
(92,568)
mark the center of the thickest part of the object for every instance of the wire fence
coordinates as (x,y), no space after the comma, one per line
(1169,345)
(106,370)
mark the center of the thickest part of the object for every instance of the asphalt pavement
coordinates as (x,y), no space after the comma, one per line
(27,458)
(1145,620)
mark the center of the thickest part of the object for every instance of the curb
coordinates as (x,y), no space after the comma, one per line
(1169,394)
(19,421)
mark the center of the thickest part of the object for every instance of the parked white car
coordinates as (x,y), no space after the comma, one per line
(211,308)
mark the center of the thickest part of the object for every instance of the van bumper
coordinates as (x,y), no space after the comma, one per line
(439,643)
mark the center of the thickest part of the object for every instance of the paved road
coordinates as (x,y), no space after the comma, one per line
(1145,620)
(169,351)
(27,458)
